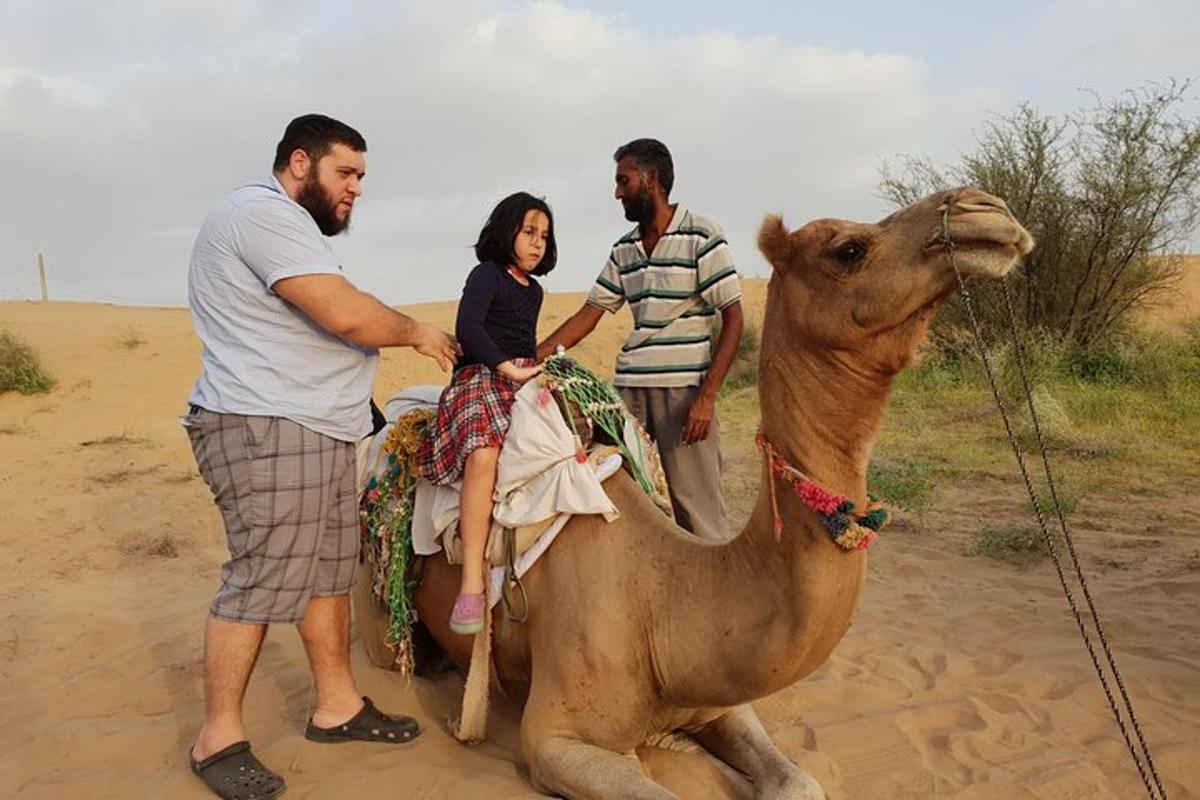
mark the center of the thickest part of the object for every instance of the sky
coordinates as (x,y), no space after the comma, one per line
(122,123)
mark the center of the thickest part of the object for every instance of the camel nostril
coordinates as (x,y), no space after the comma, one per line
(969,200)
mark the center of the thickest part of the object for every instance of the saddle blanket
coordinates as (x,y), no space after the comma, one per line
(539,483)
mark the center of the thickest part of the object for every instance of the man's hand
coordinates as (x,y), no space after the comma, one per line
(571,332)
(699,419)
(436,344)
(517,374)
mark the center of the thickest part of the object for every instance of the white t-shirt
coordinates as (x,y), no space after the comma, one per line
(263,356)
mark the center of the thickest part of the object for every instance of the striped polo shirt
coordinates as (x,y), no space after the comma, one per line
(674,294)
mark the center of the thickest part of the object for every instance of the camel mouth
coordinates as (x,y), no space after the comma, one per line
(990,260)
(987,242)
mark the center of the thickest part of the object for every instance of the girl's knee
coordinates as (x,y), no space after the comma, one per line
(483,457)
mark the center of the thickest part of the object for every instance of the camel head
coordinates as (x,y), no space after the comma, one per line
(870,290)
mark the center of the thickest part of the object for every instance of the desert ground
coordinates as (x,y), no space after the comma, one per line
(961,677)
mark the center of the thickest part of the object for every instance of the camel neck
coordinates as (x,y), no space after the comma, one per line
(822,412)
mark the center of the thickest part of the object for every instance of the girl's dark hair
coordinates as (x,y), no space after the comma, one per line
(496,239)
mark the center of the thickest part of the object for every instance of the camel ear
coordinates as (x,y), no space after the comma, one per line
(776,243)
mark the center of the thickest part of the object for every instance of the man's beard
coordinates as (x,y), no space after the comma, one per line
(315,200)
(639,208)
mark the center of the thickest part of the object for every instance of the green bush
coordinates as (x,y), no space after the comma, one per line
(936,373)
(19,367)
(1106,191)
(1019,545)
(1068,498)
(744,369)
(1147,361)
(1153,361)
(906,484)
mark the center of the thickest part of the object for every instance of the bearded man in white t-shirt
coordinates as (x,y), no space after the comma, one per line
(289,360)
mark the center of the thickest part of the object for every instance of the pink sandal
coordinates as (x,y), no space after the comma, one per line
(467,616)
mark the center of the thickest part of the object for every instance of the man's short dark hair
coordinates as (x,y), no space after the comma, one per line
(316,134)
(496,239)
(650,155)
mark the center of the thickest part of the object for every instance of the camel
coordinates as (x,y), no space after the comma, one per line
(637,628)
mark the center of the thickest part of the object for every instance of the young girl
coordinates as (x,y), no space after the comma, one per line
(497,330)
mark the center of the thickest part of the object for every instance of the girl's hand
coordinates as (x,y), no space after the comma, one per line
(517,374)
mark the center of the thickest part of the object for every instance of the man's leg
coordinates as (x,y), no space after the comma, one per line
(325,626)
(231,643)
(341,713)
(634,399)
(693,471)
(230,650)
(325,631)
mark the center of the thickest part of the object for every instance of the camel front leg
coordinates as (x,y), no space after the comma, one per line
(577,770)
(738,738)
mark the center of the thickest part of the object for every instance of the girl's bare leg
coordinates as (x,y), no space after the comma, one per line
(479,481)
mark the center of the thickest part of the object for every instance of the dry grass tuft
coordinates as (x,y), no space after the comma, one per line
(160,547)
(131,339)
(119,476)
(122,439)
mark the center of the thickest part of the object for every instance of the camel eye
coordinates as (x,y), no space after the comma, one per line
(850,253)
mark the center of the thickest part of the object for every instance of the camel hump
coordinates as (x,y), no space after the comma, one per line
(775,242)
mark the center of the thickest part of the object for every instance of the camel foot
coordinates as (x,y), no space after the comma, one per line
(738,738)
(576,770)
(798,786)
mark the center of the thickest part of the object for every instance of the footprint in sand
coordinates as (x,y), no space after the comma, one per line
(930,671)
(943,734)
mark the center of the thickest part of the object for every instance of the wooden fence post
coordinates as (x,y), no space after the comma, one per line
(42,277)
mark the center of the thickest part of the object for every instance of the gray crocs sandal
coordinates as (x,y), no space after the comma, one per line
(235,774)
(368,725)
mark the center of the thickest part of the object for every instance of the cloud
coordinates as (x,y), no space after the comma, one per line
(25,91)
(116,157)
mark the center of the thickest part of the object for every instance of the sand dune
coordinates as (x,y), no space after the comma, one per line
(959,678)
(1181,303)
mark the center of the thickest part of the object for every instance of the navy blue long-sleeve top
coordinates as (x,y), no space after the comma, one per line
(497,317)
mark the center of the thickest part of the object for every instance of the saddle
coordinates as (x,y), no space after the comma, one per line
(551,466)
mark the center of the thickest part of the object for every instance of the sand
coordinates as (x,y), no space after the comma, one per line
(1180,304)
(960,678)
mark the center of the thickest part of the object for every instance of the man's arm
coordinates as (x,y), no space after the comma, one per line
(699,419)
(336,305)
(571,332)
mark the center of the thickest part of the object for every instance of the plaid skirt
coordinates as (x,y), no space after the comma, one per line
(474,412)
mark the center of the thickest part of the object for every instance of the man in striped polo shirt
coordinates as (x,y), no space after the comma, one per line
(675,272)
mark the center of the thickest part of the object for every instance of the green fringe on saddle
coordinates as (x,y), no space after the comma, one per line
(386,515)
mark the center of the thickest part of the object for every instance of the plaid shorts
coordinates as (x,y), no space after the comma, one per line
(474,412)
(288,498)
